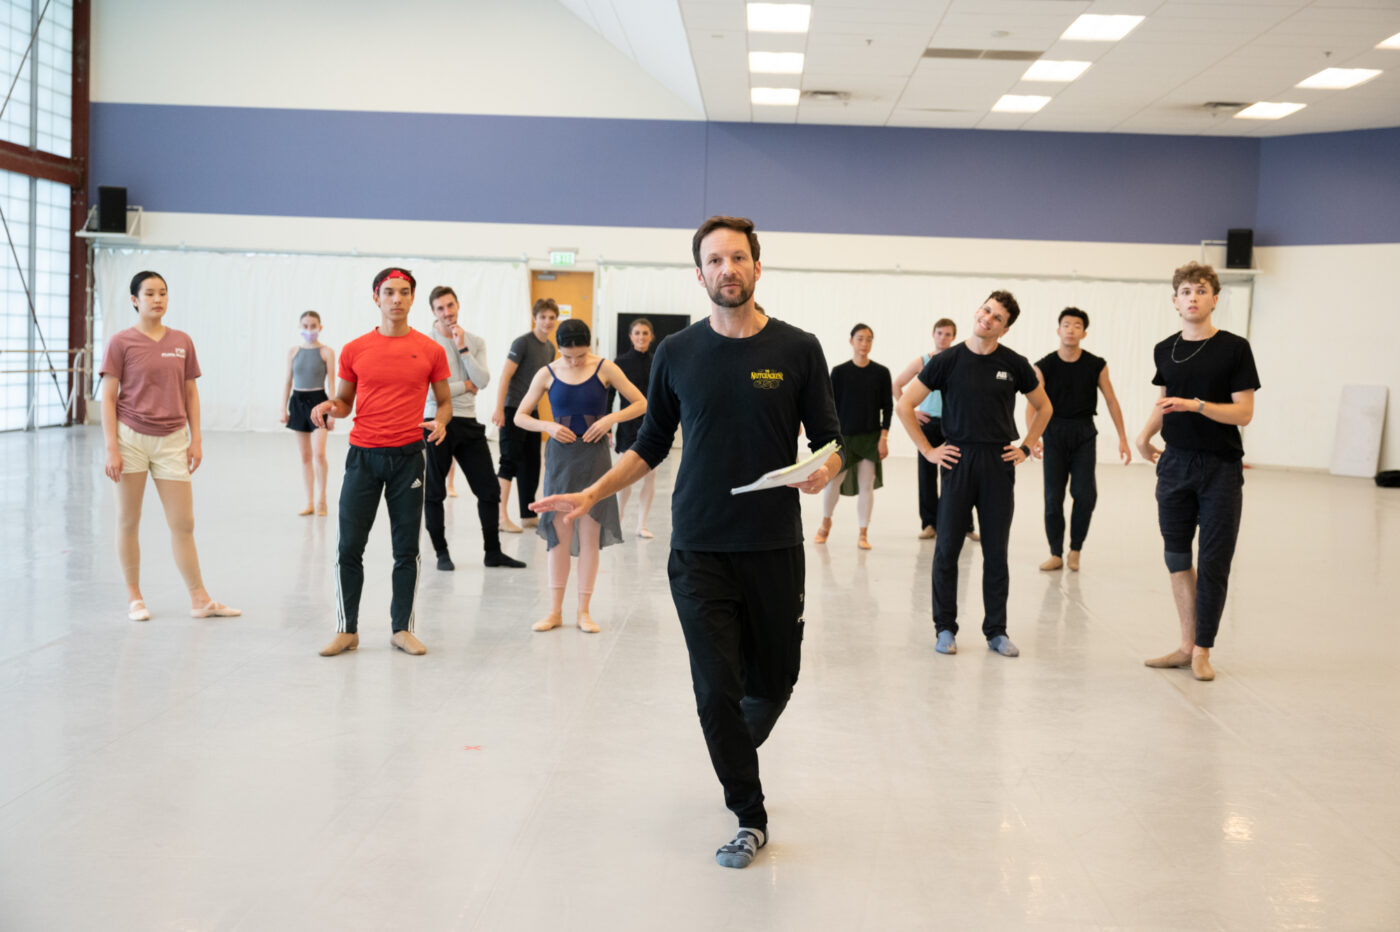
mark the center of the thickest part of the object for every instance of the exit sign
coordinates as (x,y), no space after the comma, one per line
(562,257)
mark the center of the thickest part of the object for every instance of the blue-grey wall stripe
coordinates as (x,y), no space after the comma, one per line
(818,179)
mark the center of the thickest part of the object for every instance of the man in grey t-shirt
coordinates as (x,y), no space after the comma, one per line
(520,450)
(466,437)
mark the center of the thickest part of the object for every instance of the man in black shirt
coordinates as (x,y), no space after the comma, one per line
(1073,377)
(979,380)
(739,384)
(520,449)
(1208,383)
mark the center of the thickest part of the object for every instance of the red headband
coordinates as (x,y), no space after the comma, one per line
(396,274)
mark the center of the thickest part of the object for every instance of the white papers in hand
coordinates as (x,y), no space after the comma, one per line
(797,472)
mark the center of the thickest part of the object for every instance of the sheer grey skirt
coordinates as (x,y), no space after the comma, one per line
(573,467)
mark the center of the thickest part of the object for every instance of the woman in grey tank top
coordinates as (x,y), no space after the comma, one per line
(310,376)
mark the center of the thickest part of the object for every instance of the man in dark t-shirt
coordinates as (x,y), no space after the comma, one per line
(383,378)
(1208,383)
(739,384)
(1073,378)
(979,380)
(520,449)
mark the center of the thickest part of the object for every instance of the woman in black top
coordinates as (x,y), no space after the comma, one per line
(636,365)
(864,405)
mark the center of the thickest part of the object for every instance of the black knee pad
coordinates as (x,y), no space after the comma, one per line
(1177,562)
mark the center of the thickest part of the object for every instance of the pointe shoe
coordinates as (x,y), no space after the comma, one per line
(510,527)
(928,533)
(644,534)
(1200,666)
(973,536)
(823,532)
(215,610)
(1073,561)
(406,642)
(1167,661)
(529,522)
(308,510)
(1051,564)
(340,644)
(321,510)
(136,611)
(548,623)
(451,492)
(863,543)
(586,625)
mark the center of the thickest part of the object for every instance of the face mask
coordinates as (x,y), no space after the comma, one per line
(310,335)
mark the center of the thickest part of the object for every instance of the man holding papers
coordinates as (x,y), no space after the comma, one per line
(740,384)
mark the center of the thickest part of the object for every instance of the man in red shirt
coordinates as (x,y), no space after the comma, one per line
(382,375)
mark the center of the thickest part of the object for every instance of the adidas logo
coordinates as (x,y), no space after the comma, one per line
(416,483)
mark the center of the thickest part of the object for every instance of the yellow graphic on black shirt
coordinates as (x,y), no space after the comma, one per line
(766,379)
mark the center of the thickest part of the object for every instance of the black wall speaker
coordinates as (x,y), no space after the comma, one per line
(111,209)
(1239,249)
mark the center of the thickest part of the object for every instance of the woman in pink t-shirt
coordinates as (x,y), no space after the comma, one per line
(148,399)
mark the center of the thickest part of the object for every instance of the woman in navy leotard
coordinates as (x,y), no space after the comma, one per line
(576,456)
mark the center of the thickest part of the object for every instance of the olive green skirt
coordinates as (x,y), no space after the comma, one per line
(861,447)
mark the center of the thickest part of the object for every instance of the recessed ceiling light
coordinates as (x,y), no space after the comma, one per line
(1045,70)
(775,96)
(1339,78)
(779,17)
(1392,43)
(1019,103)
(776,62)
(1268,111)
(1095,28)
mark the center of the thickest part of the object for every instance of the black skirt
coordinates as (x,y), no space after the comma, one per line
(299,409)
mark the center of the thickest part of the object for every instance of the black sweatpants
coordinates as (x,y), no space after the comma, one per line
(1199,489)
(1070,453)
(982,480)
(520,461)
(396,473)
(742,618)
(466,442)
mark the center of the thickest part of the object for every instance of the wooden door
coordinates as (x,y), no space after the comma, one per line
(573,292)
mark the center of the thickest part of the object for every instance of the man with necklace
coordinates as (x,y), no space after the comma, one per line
(1208,382)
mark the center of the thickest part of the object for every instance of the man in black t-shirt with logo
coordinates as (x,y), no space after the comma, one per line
(979,380)
(1073,378)
(1208,383)
(739,384)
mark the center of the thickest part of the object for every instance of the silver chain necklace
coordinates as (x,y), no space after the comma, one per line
(1172,354)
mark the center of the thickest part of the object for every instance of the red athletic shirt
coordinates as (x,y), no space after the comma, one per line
(390,374)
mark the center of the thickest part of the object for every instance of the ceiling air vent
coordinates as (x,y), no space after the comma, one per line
(827,96)
(983,54)
(1222,106)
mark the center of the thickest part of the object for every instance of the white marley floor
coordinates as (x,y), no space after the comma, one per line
(220,775)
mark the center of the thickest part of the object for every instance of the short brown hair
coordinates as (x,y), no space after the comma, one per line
(544,304)
(641,322)
(1007,300)
(1195,273)
(739,224)
(439,291)
(310,314)
(945,322)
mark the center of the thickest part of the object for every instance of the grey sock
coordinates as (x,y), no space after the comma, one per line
(741,851)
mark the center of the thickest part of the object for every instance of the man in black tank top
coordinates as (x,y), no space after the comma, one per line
(1208,383)
(1073,377)
(979,379)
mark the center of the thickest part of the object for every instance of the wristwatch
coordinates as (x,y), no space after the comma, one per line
(1026,450)
(1200,406)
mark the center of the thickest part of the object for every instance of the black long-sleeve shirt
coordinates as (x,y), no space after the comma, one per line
(637,367)
(864,397)
(740,403)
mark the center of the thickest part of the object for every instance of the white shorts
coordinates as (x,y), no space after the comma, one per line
(163,457)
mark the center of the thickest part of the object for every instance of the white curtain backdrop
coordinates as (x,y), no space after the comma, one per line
(1125,319)
(242,310)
